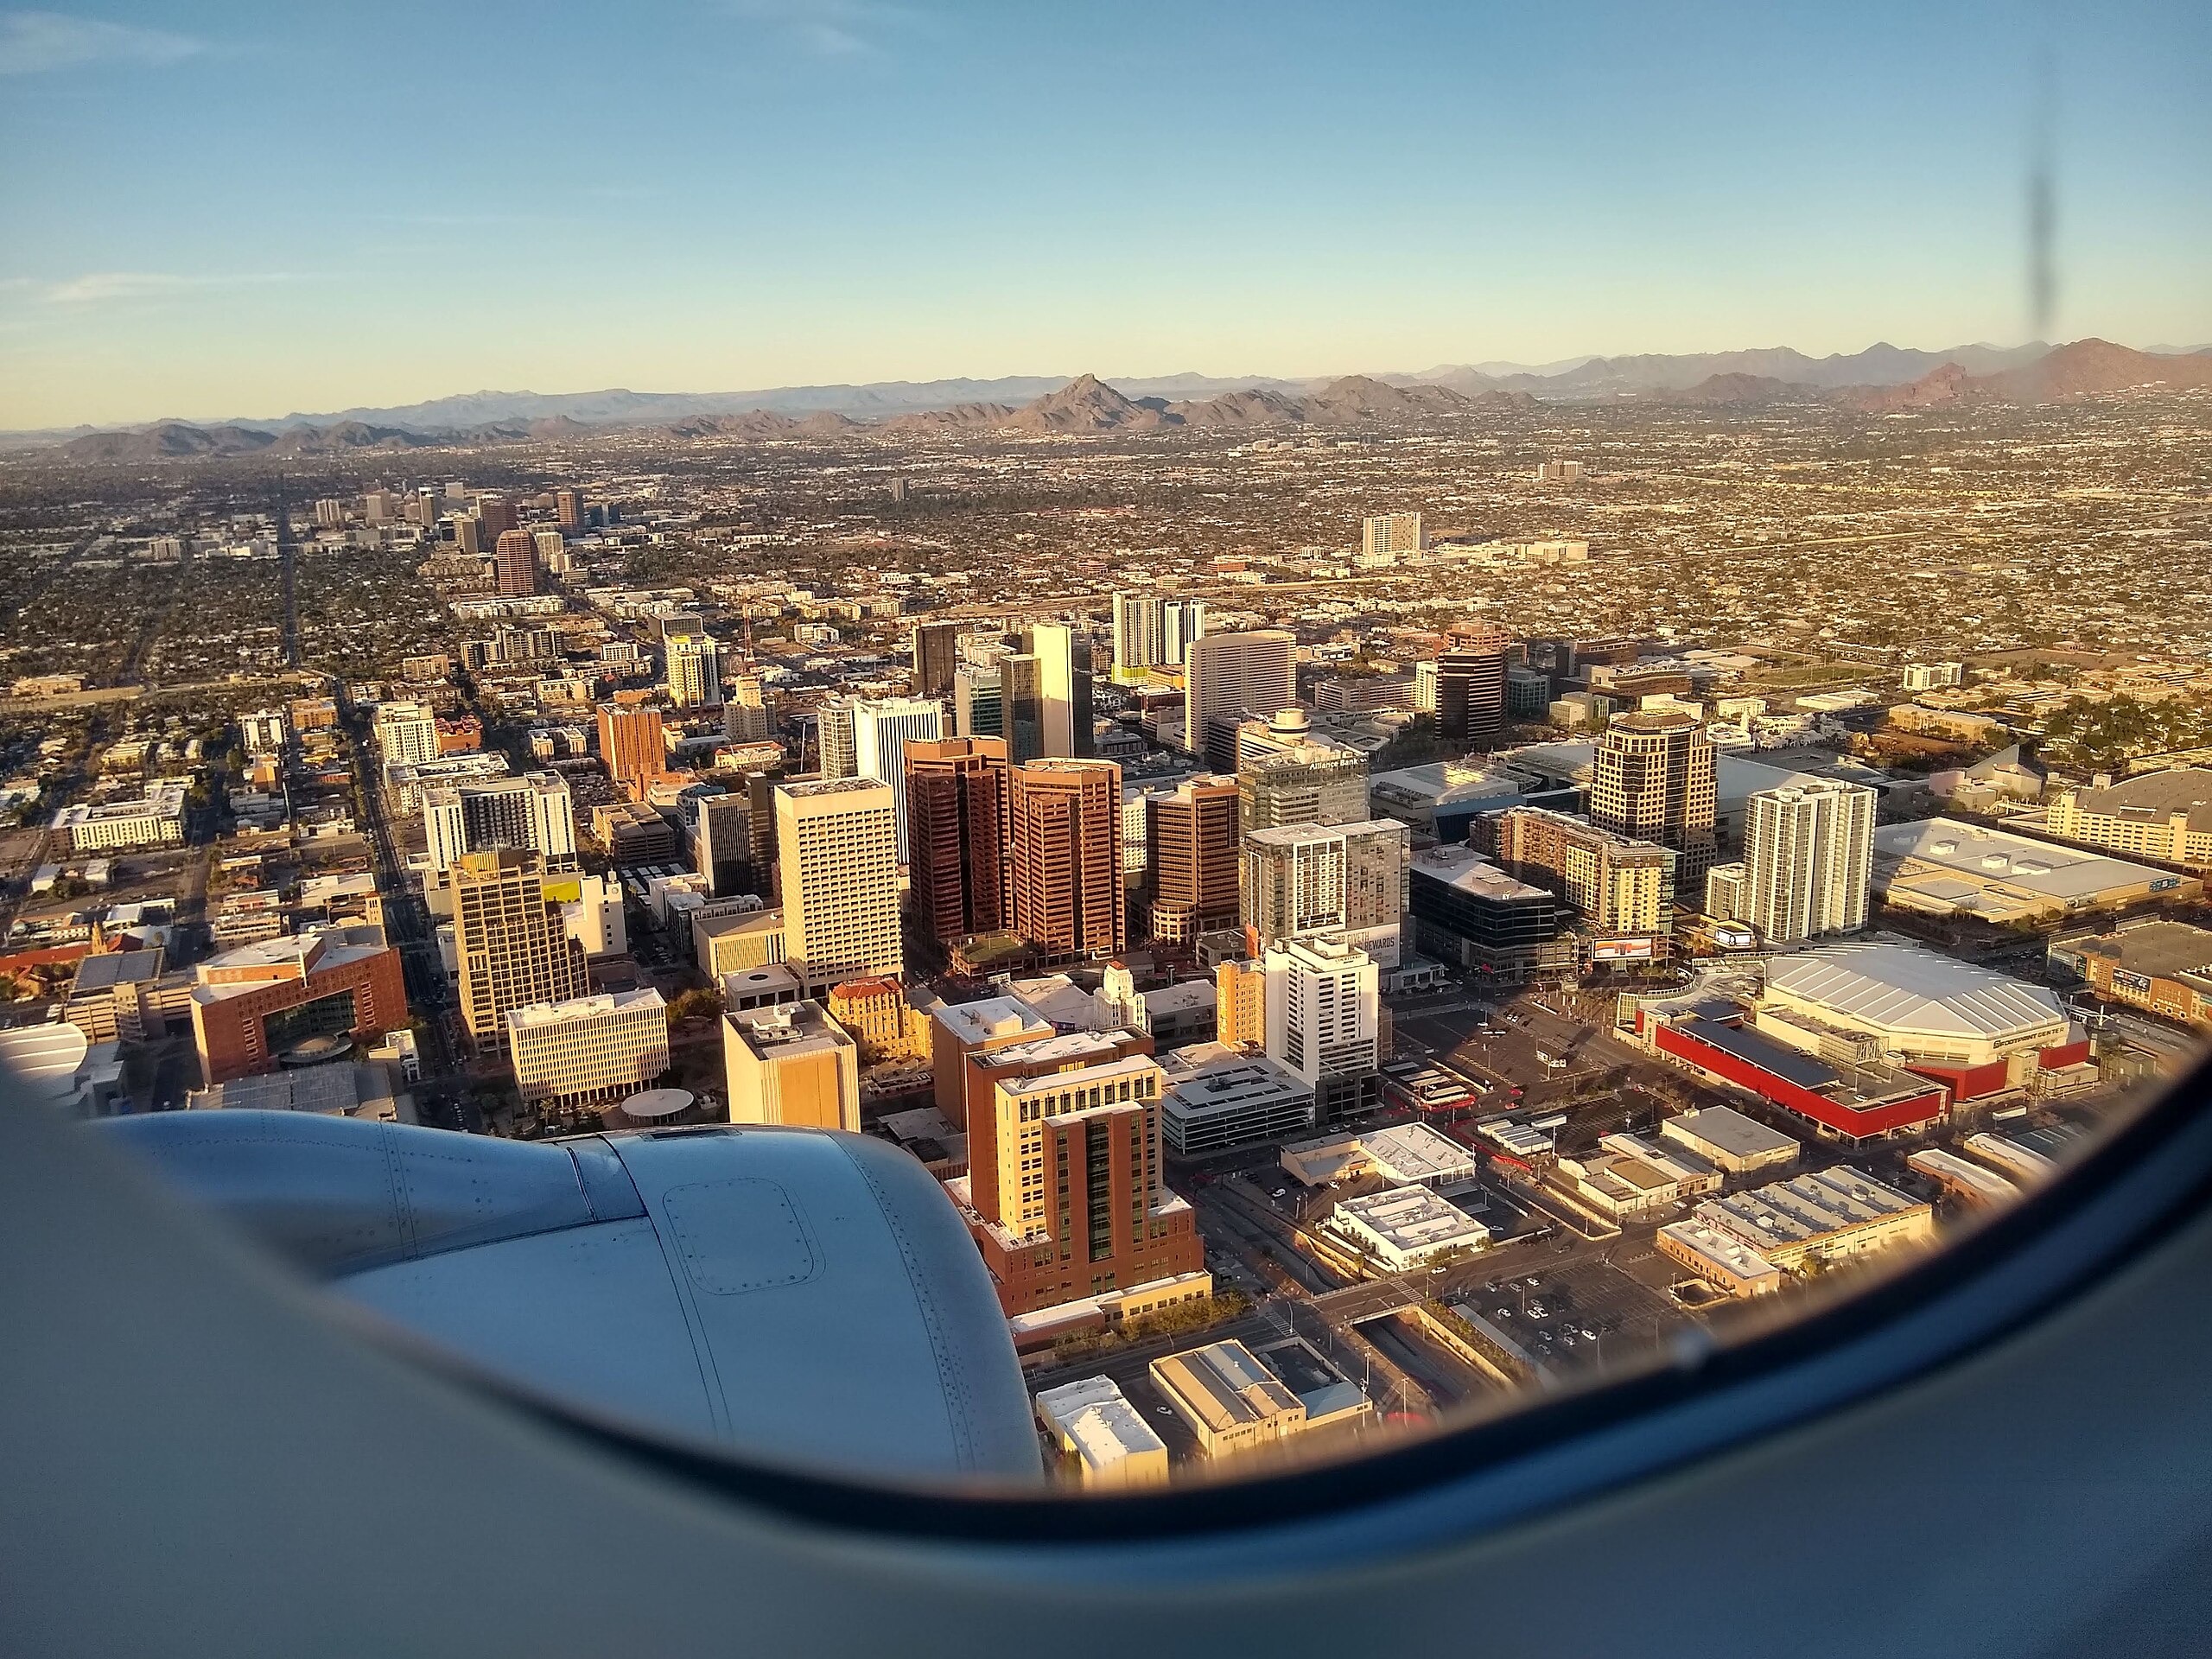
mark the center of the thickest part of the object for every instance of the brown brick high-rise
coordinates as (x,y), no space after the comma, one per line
(1067,858)
(959,877)
(1192,858)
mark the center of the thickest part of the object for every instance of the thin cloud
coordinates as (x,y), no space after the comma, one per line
(827,28)
(102,286)
(39,42)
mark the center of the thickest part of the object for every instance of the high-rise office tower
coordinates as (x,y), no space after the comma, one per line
(1063,1188)
(978,701)
(1425,688)
(1344,880)
(937,654)
(1068,898)
(1227,679)
(833,728)
(881,729)
(958,875)
(1021,697)
(791,1065)
(1470,686)
(569,509)
(1387,537)
(1063,657)
(497,514)
(1181,620)
(633,746)
(748,717)
(531,813)
(1324,1021)
(694,669)
(1656,778)
(1138,620)
(516,554)
(837,861)
(1619,884)
(1808,850)
(721,842)
(1191,843)
(512,948)
(1288,773)
(468,535)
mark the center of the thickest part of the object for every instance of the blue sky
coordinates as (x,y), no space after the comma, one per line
(243,209)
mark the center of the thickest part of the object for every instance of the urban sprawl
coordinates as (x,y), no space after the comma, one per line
(1362,923)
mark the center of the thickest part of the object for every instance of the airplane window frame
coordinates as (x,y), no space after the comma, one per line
(2149,1173)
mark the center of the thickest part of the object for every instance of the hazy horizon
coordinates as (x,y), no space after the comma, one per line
(251,207)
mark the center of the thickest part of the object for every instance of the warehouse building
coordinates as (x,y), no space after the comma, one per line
(1729,1141)
(1230,1400)
(1827,1215)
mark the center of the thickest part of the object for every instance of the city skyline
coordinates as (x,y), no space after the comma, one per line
(835,192)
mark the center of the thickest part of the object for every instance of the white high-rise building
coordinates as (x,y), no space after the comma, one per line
(1181,620)
(881,729)
(1063,657)
(1387,537)
(837,860)
(1227,679)
(1323,1021)
(407,733)
(1151,633)
(1137,627)
(693,674)
(531,813)
(834,734)
(1808,850)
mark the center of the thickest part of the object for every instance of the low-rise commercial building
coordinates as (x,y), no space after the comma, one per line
(1231,1401)
(1827,1215)
(1961,1178)
(1720,1259)
(2163,968)
(1629,1178)
(1104,1436)
(1728,1141)
(1406,1227)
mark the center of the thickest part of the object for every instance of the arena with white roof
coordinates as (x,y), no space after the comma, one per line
(1921,1005)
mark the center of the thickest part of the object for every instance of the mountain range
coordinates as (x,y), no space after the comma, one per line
(1882,378)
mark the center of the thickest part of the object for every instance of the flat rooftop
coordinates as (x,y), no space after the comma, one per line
(1979,855)
(2157,950)
(1729,1130)
(1413,1218)
(1470,872)
(1807,1207)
